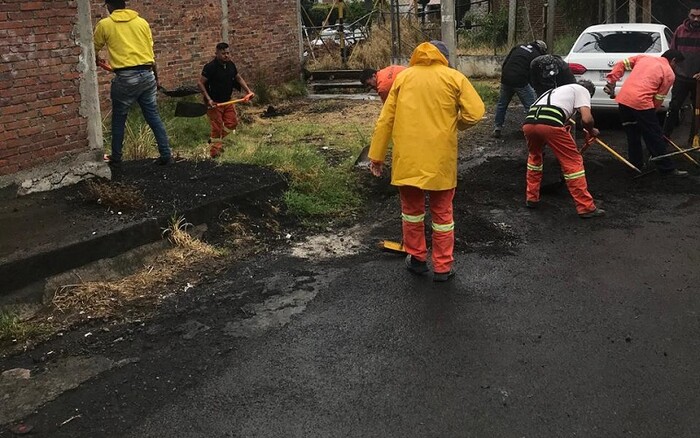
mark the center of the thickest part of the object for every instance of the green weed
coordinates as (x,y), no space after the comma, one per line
(488,90)
(13,329)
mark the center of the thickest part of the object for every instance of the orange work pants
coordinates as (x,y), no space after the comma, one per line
(559,139)
(413,215)
(222,120)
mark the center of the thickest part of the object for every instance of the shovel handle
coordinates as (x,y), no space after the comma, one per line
(244,99)
(616,155)
(678,148)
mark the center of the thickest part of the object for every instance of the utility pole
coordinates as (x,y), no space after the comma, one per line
(549,37)
(447,14)
(512,20)
(646,11)
(632,13)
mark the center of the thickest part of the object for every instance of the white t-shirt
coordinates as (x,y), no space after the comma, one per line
(568,97)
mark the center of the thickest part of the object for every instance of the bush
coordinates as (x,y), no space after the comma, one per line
(491,29)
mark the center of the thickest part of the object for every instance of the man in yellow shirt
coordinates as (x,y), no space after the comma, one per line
(130,44)
(427,104)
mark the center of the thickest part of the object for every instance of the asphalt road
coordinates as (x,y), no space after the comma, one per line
(553,327)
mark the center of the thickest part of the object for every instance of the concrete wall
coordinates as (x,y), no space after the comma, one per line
(51,93)
(480,66)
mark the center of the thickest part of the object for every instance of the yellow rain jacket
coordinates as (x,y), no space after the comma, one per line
(428,102)
(128,38)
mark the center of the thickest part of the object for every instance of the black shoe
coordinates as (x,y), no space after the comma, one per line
(598,212)
(532,204)
(497,133)
(415,266)
(111,162)
(163,161)
(443,276)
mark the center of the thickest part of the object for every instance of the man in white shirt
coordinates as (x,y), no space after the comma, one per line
(546,123)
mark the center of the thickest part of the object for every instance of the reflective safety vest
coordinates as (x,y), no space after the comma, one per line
(546,114)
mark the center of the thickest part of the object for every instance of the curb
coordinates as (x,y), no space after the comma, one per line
(20,273)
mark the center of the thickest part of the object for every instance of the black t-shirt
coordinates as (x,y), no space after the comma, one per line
(221,80)
(516,67)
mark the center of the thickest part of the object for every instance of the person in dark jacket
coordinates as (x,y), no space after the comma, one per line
(515,79)
(686,39)
(549,71)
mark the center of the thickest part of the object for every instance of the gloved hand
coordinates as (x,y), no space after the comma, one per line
(609,89)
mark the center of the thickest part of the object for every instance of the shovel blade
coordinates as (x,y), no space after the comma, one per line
(363,157)
(190,109)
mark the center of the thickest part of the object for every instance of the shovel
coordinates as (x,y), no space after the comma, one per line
(678,152)
(696,137)
(193,109)
(681,151)
(363,157)
(616,155)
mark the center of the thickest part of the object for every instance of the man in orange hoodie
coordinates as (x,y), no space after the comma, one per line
(382,80)
(641,95)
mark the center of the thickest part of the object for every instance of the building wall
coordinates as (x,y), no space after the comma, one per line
(49,98)
(40,119)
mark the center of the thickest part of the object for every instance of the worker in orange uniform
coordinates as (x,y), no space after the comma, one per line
(641,95)
(546,123)
(382,80)
(426,105)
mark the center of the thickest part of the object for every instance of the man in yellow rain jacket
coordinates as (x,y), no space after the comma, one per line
(426,105)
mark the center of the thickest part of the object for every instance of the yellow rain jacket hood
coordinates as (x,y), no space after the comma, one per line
(426,105)
(128,38)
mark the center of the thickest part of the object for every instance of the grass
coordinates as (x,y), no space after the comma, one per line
(13,329)
(488,90)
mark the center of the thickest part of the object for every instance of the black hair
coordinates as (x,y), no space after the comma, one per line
(116,4)
(588,85)
(694,5)
(367,74)
(221,46)
(672,54)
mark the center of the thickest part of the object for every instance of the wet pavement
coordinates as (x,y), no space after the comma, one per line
(553,326)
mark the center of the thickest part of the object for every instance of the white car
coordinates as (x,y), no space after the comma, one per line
(599,47)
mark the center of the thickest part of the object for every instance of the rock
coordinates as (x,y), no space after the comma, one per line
(17,373)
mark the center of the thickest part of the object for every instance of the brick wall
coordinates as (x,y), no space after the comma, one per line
(40,97)
(263,38)
(39,84)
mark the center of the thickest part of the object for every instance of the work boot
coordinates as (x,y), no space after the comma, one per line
(497,133)
(598,212)
(443,276)
(532,204)
(416,266)
(163,161)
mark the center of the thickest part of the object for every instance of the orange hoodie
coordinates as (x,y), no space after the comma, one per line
(385,79)
(648,84)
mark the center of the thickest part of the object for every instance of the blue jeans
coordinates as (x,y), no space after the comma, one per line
(526,95)
(136,86)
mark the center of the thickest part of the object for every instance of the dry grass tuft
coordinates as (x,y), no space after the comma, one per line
(144,289)
(177,235)
(117,196)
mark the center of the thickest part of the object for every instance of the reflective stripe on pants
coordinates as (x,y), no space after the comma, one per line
(413,214)
(562,144)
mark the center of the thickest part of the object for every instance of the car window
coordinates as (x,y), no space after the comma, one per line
(669,35)
(619,42)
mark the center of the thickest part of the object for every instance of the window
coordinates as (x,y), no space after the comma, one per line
(619,42)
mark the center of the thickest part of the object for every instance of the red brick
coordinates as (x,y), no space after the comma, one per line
(49,110)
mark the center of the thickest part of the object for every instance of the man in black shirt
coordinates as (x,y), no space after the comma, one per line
(515,79)
(219,78)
